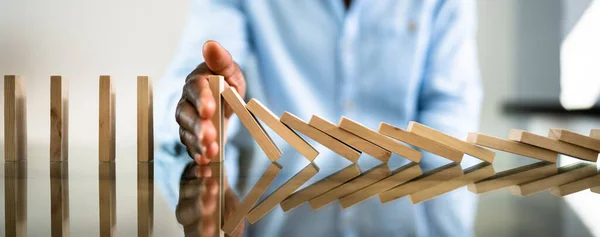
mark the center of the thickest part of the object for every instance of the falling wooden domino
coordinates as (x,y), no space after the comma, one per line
(15,198)
(349,138)
(575,139)
(256,130)
(565,175)
(420,142)
(595,133)
(272,121)
(145,121)
(380,140)
(514,176)
(217,86)
(59,119)
(398,177)
(471,175)
(145,199)
(596,189)
(106,134)
(513,147)
(282,192)
(251,198)
(367,178)
(468,148)
(59,198)
(427,180)
(328,183)
(576,186)
(336,146)
(553,145)
(15,119)
(107,198)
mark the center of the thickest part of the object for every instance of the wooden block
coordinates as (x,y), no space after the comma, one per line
(246,205)
(367,178)
(256,130)
(576,186)
(282,192)
(349,138)
(596,190)
(420,142)
(59,118)
(107,198)
(575,139)
(106,134)
(217,86)
(15,119)
(328,183)
(427,180)
(398,177)
(271,120)
(553,145)
(514,176)
(145,198)
(145,120)
(336,146)
(565,175)
(15,198)
(472,174)
(513,147)
(468,148)
(380,140)
(59,198)
(595,133)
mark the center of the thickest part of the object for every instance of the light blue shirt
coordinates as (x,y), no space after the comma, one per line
(385,60)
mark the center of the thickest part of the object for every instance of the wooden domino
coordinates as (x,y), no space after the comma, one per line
(333,144)
(328,183)
(513,147)
(514,176)
(217,86)
(349,138)
(398,177)
(553,145)
(282,192)
(380,140)
(259,134)
(107,198)
(59,198)
(596,189)
(575,139)
(15,198)
(145,120)
(595,133)
(15,119)
(576,186)
(471,175)
(251,198)
(420,142)
(145,199)
(468,148)
(59,119)
(565,175)
(106,134)
(272,121)
(367,178)
(427,180)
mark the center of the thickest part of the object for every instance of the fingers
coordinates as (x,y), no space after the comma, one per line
(197,91)
(220,62)
(197,134)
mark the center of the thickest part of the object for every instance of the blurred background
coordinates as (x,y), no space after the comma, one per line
(536,57)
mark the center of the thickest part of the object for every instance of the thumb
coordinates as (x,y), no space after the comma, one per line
(218,59)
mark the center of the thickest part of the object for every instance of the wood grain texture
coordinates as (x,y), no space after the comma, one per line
(15,198)
(514,176)
(427,180)
(106,134)
(472,174)
(145,199)
(595,133)
(575,139)
(367,178)
(421,142)
(59,199)
(107,191)
(350,139)
(553,145)
(576,186)
(145,120)
(282,192)
(272,121)
(59,119)
(565,175)
(380,140)
(513,147)
(468,148)
(217,86)
(324,185)
(398,177)
(256,130)
(250,200)
(333,144)
(15,119)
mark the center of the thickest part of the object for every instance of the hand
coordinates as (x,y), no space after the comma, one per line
(197,105)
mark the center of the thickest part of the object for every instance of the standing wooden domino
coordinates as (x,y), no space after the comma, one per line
(15,119)
(217,86)
(145,120)
(575,139)
(59,119)
(106,134)
(553,145)
(513,147)
(565,175)
(514,176)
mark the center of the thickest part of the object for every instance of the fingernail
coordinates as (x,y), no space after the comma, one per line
(203,150)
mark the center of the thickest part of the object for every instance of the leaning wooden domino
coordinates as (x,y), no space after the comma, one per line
(513,147)
(595,133)
(271,120)
(145,131)
(514,176)
(106,134)
(575,139)
(468,148)
(217,86)
(256,130)
(380,140)
(553,145)
(596,189)
(565,175)
(576,186)
(15,119)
